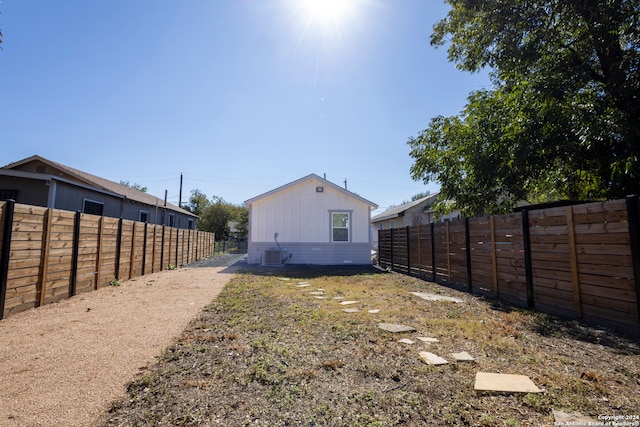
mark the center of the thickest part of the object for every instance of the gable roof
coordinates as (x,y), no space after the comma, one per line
(100,183)
(304,179)
(398,211)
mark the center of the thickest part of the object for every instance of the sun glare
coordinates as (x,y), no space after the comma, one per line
(326,12)
(325,15)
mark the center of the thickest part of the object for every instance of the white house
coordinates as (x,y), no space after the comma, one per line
(309,221)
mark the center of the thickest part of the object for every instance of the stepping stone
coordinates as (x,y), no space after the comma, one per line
(432,359)
(486,381)
(304,285)
(338,298)
(374,311)
(406,341)
(572,419)
(348,302)
(428,339)
(316,293)
(435,297)
(320,289)
(391,327)
(319,297)
(463,356)
(284,279)
(350,310)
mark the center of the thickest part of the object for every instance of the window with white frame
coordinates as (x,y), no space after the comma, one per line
(340,223)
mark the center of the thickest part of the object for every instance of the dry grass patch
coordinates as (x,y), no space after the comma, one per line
(267,352)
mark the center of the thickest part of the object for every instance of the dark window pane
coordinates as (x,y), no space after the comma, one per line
(340,234)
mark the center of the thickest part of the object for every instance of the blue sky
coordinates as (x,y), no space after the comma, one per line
(239,96)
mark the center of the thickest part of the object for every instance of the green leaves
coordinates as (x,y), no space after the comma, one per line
(215,214)
(563,117)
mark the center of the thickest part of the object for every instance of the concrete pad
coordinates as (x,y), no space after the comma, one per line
(350,310)
(391,327)
(507,383)
(406,341)
(349,302)
(428,339)
(374,311)
(572,419)
(435,297)
(432,359)
(463,356)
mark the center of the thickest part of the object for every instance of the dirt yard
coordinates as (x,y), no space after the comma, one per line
(303,347)
(64,363)
(277,348)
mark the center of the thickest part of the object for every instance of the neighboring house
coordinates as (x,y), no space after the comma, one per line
(309,221)
(42,182)
(417,212)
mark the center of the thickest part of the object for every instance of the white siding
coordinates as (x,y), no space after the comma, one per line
(301,214)
(314,253)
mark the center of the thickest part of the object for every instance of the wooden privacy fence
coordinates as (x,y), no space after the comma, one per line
(580,261)
(50,254)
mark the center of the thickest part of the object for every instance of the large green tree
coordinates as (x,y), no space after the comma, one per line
(562,119)
(216,213)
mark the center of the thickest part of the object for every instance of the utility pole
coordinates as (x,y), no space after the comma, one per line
(180,196)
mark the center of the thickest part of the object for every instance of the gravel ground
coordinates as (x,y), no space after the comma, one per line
(223,260)
(62,364)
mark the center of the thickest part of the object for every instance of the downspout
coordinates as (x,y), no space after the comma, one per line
(51,201)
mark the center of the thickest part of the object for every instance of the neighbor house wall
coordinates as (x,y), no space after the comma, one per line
(30,191)
(71,198)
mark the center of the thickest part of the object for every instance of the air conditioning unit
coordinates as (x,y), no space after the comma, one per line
(272,257)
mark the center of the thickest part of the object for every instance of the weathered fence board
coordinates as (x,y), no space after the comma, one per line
(574,261)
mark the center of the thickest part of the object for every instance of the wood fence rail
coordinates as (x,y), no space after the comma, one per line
(50,254)
(580,261)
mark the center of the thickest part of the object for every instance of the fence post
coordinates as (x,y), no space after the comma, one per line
(527,258)
(74,256)
(392,248)
(408,254)
(633,219)
(188,245)
(419,251)
(162,249)
(573,261)
(118,249)
(468,244)
(433,252)
(9,207)
(144,247)
(177,241)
